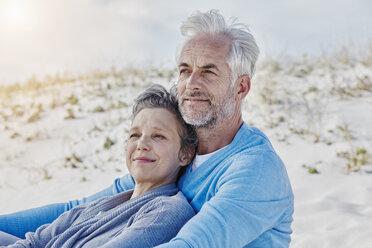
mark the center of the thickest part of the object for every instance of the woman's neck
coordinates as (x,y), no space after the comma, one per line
(141,188)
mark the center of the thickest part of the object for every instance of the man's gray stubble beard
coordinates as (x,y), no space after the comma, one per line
(214,113)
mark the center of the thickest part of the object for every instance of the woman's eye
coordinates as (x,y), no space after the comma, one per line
(159,136)
(134,135)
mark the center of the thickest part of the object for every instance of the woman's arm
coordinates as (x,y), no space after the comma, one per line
(19,223)
(54,232)
(157,222)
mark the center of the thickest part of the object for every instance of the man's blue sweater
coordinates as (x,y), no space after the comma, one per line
(242,195)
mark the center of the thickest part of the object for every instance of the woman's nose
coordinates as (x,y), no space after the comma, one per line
(143,144)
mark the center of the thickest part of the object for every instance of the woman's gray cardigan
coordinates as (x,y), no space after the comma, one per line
(117,221)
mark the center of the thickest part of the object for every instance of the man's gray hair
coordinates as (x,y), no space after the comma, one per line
(157,96)
(243,51)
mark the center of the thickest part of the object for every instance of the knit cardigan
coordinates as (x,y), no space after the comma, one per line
(117,221)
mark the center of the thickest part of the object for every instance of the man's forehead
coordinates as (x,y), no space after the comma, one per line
(205,51)
(202,62)
(209,39)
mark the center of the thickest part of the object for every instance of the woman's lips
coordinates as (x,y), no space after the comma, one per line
(143,160)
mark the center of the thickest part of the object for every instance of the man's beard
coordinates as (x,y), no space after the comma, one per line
(208,117)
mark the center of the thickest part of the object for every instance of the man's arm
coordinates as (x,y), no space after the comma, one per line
(29,220)
(249,201)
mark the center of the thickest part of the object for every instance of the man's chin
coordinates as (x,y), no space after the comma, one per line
(196,105)
(198,120)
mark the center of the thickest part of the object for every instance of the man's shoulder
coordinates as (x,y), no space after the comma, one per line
(251,149)
(250,132)
(249,140)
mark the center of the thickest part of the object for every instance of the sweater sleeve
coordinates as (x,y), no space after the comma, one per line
(19,223)
(45,233)
(252,197)
(157,222)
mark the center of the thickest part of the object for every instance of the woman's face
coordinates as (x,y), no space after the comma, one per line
(153,148)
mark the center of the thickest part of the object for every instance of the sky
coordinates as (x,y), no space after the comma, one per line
(40,37)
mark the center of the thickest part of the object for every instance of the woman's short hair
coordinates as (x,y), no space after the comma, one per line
(157,96)
(243,51)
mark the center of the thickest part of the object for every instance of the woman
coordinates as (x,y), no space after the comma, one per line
(159,144)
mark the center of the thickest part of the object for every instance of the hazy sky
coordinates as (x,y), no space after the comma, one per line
(48,36)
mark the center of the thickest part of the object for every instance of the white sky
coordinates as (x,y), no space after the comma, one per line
(49,36)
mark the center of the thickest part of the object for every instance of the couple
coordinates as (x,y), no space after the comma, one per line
(236,183)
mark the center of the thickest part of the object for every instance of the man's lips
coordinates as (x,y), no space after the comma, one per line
(195,99)
(144,160)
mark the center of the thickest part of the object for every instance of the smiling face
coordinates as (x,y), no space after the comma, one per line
(204,83)
(153,148)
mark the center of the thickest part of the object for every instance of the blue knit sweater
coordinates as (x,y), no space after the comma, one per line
(242,195)
(117,221)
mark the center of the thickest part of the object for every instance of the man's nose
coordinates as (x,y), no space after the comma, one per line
(193,82)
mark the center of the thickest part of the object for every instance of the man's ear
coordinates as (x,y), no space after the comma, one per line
(243,86)
(186,155)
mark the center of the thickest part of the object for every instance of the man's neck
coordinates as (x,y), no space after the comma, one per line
(220,135)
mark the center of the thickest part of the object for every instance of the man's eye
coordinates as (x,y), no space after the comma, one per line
(209,72)
(182,71)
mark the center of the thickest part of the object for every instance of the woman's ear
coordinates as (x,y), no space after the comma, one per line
(186,155)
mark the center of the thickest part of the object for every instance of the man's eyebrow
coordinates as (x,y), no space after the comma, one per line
(183,65)
(209,66)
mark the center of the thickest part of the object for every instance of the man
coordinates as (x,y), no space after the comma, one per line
(236,183)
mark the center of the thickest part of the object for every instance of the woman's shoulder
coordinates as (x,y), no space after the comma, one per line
(173,211)
(176,200)
(176,204)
